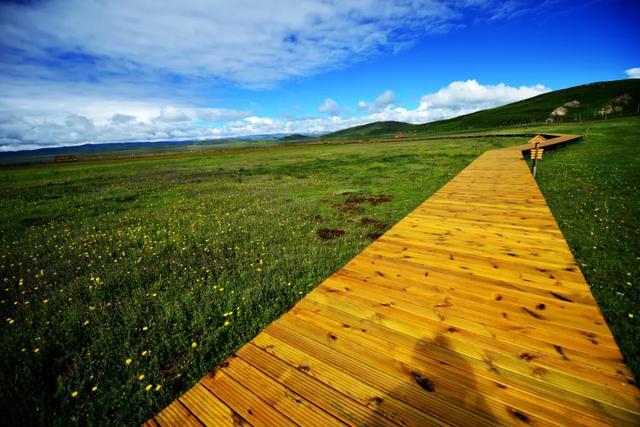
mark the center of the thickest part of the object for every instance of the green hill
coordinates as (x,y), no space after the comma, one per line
(294,137)
(371,129)
(597,101)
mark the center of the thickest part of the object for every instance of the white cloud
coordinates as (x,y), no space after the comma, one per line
(50,117)
(386,98)
(458,98)
(157,120)
(172,114)
(219,114)
(75,121)
(122,118)
(633,73)
(76,71)
(238,40)
(329,106)
(471,95)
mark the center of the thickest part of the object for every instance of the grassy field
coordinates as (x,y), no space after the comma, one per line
(125,281)
(593,190)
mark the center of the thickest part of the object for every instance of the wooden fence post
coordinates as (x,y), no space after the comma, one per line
(535,160)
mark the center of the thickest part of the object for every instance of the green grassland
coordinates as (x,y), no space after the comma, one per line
(124,275)
(173,262)
(593,189)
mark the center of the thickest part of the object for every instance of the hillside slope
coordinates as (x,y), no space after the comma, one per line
(371,129)
(600,100)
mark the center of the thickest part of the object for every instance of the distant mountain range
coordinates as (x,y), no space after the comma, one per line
(139,147)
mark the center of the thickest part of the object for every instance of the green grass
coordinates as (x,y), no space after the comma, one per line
(593,189)
(105,261)
(371,130)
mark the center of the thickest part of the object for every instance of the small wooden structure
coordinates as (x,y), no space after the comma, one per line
(538,139)
(536,153)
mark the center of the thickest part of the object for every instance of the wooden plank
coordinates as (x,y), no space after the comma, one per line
(469,311)
(209,409)
(459,403)
(344,375)
(459,304)
(378,264)
(242,401)
(412,283)
(177,415)
(533,348)
(328,399)
(593,382)
(296,407)
(451,375)
(540,380)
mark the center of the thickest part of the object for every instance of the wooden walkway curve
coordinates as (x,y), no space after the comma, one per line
(470,311)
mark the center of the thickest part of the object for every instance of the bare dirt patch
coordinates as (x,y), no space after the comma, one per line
(366,222)
(374,200)
(347,207)
(353,201)
(329,233)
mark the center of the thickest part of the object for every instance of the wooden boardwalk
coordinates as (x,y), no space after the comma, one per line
(470,311)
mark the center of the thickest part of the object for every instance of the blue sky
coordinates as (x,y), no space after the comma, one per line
(74,72)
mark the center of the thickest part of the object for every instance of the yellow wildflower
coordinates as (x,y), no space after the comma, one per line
(141,377)
(148,387)
(144,353)
(128,362)
(630,315)
(226,323)
(74,394)
(158,387)
(194,344)
(94,388)
(36,350)
(145,328)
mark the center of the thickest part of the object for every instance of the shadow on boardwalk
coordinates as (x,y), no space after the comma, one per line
(423,378)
